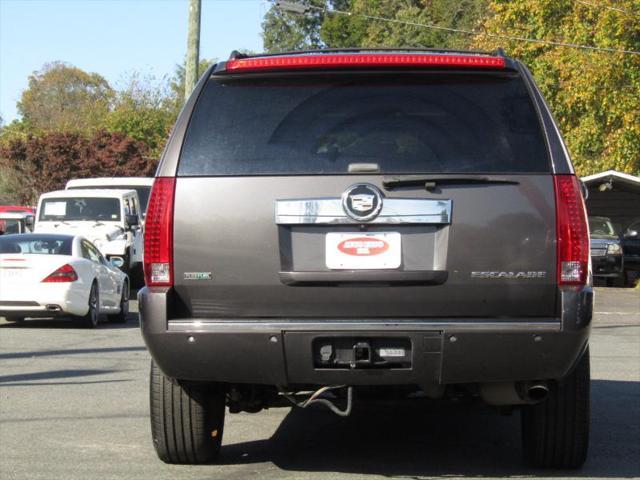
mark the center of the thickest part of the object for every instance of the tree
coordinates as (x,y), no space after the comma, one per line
(177,82)
(45,162)
(389,23)
(284,31)
(64,98)
(372,23)
(595,96)
(144,111)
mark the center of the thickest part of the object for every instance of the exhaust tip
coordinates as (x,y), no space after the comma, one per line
(537,392)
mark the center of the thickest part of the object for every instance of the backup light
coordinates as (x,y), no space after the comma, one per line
(423,60)
(158,234)
(65,273)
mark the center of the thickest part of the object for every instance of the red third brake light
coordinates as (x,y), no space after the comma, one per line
(65,273)
(363,60)
(158,234)
(572,231)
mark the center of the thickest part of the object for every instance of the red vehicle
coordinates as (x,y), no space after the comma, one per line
(17,209)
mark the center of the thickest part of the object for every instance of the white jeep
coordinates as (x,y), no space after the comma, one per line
(108,218)
(142,185)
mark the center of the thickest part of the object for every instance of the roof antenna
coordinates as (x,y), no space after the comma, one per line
(236,54)
(499,52)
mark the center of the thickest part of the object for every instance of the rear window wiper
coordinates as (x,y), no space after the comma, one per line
(432,181)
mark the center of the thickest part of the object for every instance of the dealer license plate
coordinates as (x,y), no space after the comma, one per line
(363,251)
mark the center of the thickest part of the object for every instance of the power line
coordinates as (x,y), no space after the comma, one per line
(304,9)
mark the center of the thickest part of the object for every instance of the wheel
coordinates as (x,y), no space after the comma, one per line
(186,421)
(555,433)
(14,319)
(136,274)
(92,318)
(121,316)
(126,266)
(629,279)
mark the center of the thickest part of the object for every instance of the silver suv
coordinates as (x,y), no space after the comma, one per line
(333,223)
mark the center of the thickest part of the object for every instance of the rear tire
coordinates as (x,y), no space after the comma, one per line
(121,316)
(629,279)
(555,433)
(92,318)
(187,422)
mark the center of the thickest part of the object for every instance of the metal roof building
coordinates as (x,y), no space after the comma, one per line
(615,195)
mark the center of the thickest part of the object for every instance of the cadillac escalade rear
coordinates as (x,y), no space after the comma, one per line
(342,222)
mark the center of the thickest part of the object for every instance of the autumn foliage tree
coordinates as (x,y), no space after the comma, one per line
(65,98)
(594,95)
(46,162)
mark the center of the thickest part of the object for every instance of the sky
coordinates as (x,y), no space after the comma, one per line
(115,37)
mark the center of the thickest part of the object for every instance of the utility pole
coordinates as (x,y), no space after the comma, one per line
(193,48)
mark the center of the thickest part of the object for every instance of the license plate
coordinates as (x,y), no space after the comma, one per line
(363,251)
(10,274)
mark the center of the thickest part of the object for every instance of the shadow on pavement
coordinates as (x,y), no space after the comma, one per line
(52,374)
(442,439)
(47,384)
(70,351)
(67,322)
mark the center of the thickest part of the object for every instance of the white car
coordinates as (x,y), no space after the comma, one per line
(142,186)
(48,275)
(110,219)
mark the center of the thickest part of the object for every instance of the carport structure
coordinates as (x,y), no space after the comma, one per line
(615,195)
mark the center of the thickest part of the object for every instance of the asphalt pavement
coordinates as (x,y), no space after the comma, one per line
(74,405)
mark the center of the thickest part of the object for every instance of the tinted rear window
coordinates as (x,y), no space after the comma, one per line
(406,124)
(35,245)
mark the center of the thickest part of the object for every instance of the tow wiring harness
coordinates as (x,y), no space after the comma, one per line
(315,398)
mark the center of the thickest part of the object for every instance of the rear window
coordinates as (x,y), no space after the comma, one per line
(35,245)
(446,123)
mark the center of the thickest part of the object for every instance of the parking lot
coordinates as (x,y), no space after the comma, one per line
(73,404)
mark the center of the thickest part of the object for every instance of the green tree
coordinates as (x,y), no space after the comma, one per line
(144,111)
(284,31)
(65,98)
(176,84)
(389,23)
(372,23)
(595,96)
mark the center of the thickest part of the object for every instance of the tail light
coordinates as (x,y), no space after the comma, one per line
(65,273)
(572,231)
(158,234)
(360,60)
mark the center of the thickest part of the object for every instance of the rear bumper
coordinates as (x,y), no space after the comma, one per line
(45,300)
(29,309)
(632,262)
(607,266)
(444,351)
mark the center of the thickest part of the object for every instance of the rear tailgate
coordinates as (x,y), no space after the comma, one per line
(255,141)
(498,252)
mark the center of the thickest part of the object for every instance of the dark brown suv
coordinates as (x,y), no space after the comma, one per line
(328,223)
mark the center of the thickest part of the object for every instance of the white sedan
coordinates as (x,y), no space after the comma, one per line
(48,275)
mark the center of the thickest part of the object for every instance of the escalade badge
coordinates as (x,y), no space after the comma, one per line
(362,202)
